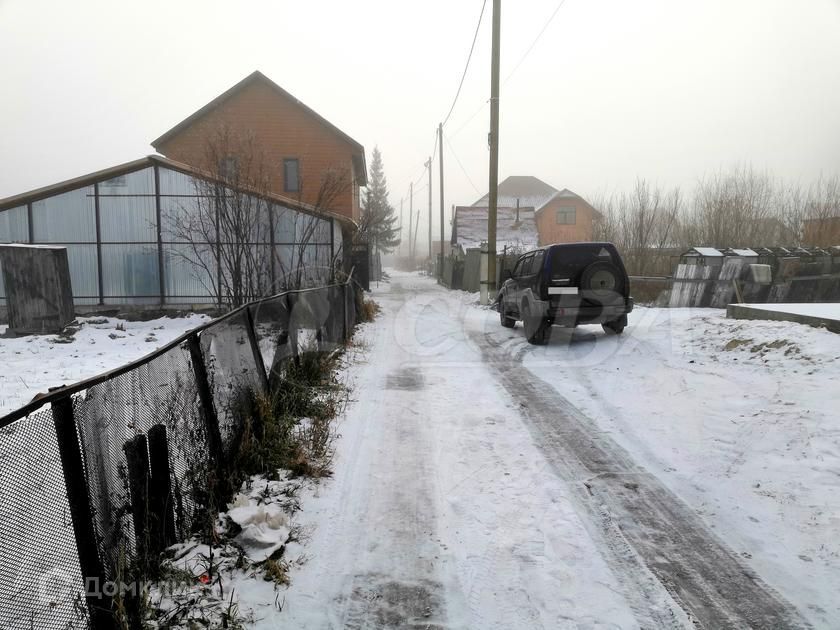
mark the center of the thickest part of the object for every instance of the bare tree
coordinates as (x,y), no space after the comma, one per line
(821,217)
(739,207)
(731,207)
(641,223)
(233,216)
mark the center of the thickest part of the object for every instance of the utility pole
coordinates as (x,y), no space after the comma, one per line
(410,214)
(429,166)
(440,159)
(494,153)
(399,249)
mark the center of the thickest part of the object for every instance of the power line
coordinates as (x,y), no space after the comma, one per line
(470,119)
(463,170)
(536,39)
(516,67)
(466,67)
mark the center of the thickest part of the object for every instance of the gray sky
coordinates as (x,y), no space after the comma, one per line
(615,89)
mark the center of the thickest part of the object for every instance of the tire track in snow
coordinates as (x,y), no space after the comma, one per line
(653,537)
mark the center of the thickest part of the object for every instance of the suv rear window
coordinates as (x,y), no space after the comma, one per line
(569,260)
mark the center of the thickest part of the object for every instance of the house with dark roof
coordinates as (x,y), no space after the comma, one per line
(516,228)
(300,147)
(560,216)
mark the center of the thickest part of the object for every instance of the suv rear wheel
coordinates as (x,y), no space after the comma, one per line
(615,327)
(537,327)
(507,321)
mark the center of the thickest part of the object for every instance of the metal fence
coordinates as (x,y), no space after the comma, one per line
(71,510)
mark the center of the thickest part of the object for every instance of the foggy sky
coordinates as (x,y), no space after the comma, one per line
(668,90)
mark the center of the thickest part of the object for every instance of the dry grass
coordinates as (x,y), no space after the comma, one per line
(276,571)
(369,311)
(291,428)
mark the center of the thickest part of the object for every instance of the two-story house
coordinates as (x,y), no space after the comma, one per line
(561,216)
(301,149)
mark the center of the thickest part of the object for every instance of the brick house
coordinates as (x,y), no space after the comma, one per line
(561,215)
(823,232)
(301,147)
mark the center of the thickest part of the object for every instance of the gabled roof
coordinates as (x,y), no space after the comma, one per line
(469,227)
(529,192)
(255,77)
(145,162)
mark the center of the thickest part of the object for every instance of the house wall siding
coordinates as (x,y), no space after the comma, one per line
(283,130)
(552,232)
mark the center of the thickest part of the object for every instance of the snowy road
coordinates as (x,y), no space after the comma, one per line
(468,494)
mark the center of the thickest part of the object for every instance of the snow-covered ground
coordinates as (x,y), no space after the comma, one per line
(740,418)
(450,507)
(34,363)
(448,510)
(442,511)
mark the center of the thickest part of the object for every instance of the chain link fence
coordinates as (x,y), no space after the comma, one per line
(100,475)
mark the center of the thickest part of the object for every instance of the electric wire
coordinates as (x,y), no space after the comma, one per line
(467,66)
(534,43)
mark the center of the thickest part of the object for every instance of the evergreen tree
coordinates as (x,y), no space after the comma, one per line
(377,221)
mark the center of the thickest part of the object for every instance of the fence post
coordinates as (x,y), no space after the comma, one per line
(255,348)
(137,460)
(81,514)
(344,296)
(208,409)
(162,530)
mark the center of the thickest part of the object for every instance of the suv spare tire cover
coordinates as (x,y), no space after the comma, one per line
(602,282)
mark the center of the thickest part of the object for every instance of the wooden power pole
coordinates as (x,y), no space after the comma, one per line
(494,153)
(410,215)
(440,159)
(429,166)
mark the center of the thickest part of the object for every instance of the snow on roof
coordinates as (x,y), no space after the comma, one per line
(529,191)
(708,252)
(741,252)
(470,227)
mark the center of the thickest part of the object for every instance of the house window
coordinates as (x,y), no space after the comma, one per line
(291,175)
(229,167)
(566,215)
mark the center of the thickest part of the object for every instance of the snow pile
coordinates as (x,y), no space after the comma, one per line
(230,581)
(265,526)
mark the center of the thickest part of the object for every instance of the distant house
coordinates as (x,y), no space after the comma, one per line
(561,216)
(300,146)
(822,232)
(516,228)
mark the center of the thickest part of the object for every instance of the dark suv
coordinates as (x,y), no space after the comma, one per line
(566,284)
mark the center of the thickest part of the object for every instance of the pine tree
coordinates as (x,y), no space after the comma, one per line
(377,221)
